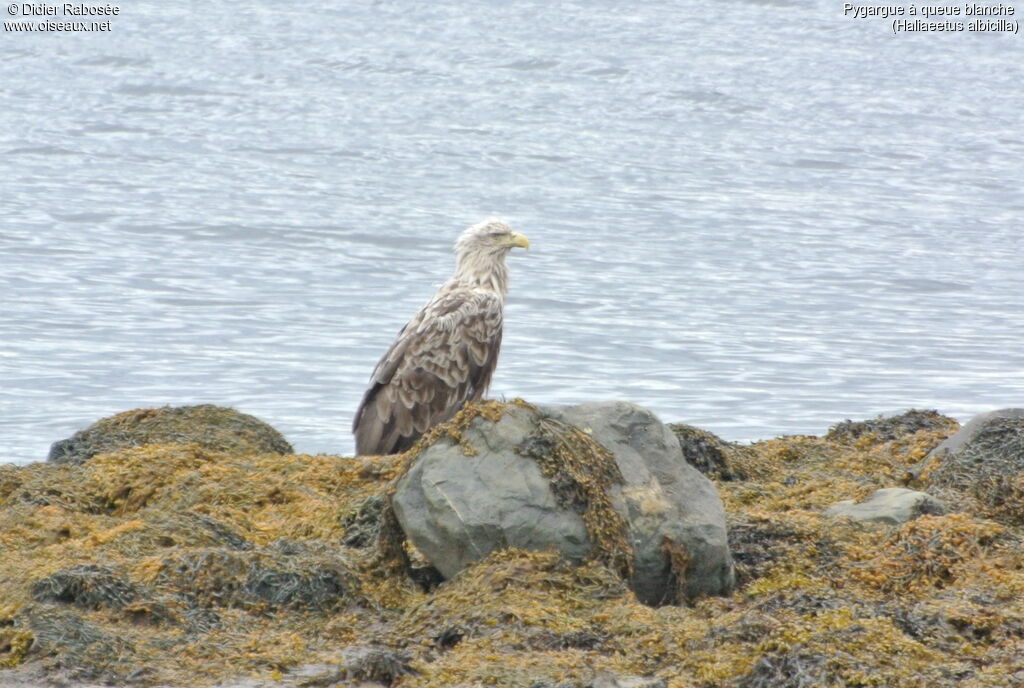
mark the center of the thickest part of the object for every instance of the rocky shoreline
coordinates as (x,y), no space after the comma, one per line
(517,545)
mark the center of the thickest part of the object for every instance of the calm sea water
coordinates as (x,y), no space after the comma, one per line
(756,217)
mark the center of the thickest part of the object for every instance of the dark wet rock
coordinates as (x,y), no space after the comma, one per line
(984,460)
(212,427)
(886,428)
(604,480)
(892,505)
(705,451)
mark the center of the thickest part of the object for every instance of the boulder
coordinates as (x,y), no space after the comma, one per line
(211,427)
(983,462)
(974,428)
(601,480)
(892,505)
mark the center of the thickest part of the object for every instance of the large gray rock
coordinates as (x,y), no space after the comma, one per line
(892,505)
(959,441)
(456,508)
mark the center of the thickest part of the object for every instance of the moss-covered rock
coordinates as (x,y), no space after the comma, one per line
(211,427)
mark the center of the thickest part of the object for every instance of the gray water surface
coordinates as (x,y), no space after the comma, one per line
(756,217)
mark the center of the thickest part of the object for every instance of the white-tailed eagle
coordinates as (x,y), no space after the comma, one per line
(446,354)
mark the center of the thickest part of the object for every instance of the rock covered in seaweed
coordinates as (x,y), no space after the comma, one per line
(984,462)
(108,567)
(604,481)
(976,430)
(705,451)
(211,427)
(170,564)
(884,428)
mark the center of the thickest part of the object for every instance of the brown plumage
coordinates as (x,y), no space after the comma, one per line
(446,354)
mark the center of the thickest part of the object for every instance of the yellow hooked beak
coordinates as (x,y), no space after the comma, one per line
(519,240)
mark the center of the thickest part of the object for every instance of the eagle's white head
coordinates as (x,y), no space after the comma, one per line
(490,236)
(480,254)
